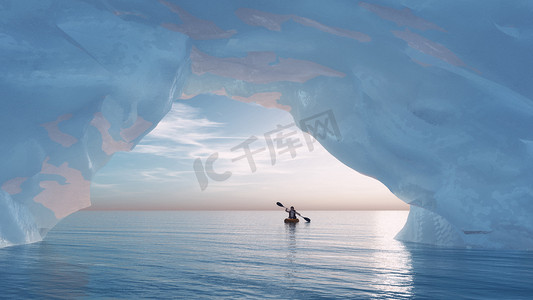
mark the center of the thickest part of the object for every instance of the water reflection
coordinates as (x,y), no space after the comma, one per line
(467,273)
(349,255)
(392,259)
(40,271)
(290,229)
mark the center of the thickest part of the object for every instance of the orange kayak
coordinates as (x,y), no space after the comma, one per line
(292,220)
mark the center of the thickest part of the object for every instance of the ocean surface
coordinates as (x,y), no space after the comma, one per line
(232,255)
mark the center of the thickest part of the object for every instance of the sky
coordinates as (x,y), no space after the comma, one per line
(160,173)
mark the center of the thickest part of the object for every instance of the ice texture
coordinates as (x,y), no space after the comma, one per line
(432,98)
(78,83)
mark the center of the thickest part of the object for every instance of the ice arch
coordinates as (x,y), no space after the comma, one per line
(431,98)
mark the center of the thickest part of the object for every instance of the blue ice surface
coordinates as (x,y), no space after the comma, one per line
(433,99)
(223,255)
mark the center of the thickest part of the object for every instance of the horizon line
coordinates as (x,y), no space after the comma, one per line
(215,209)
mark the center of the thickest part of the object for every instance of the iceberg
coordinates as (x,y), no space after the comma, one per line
(435,104)
(78,84)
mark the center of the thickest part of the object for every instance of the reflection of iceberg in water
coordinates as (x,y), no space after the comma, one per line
(469,273)
(342,255)
(50,271)
(70,277)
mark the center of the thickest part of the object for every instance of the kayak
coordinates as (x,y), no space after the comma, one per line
(291,220)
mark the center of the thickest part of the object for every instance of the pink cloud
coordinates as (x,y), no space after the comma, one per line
(270,21)
(109,145)
(254,17)
(56,135)
(402,17)
(194,27)
(268,100)
(256,67)
(333,30)
(64,199)
(429,47)
(139,127)
(219,92)
(12,186)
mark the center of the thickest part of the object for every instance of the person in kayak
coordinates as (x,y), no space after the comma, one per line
(292,213)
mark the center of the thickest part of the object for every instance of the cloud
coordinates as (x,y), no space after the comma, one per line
(103,185)
(183,134)
(159,150)
(183,125)
(164,167)
(160,175)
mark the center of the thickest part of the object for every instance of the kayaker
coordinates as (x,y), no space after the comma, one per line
(292,213)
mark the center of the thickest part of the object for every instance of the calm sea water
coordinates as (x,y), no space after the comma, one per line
(206,255)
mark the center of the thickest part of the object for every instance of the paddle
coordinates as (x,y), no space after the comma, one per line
(305,218)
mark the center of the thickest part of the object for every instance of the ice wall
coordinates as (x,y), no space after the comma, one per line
(79,82)
(432,98)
